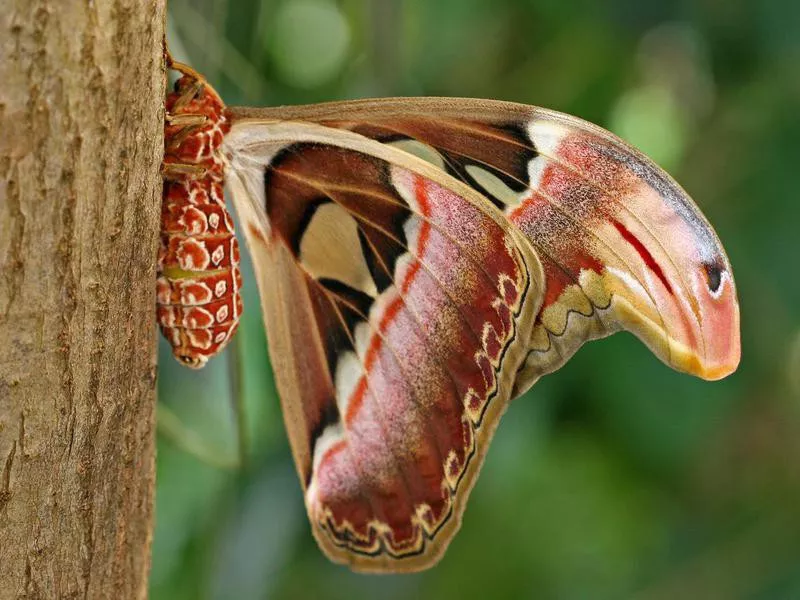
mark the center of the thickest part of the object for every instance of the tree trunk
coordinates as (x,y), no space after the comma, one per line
(81,99)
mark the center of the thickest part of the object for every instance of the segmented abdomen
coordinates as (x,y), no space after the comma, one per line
(198,298)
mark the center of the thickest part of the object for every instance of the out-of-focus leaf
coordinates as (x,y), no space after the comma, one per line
(648,118)
(257,539)
(308,41)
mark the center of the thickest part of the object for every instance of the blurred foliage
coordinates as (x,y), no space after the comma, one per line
(614,477)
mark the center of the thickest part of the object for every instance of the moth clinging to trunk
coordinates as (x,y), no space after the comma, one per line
(421,262)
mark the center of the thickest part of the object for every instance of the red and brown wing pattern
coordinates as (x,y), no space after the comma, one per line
(399,306)
(621,244)
(421,262)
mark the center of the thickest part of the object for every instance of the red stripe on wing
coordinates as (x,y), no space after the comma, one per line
(644,253)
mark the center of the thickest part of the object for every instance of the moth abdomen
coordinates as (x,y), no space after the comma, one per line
(198,298)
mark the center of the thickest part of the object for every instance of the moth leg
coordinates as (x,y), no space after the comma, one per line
(179,137)
(179,171)
(189,94)
(187,120)
(199,81)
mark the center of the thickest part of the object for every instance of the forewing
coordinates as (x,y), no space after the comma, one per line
(399,304)
(621,244)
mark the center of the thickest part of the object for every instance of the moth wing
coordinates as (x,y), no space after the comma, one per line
(399,305)
(622,245)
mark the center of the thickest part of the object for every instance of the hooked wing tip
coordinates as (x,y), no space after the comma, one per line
(691,326)
(721,358)
(714,369)
(716,351)
(720,326)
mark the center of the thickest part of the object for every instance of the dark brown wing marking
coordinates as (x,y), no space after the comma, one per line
(622,245)
(415,340)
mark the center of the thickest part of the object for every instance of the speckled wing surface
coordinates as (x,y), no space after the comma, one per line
(399,305)
(420,263)
(622,245)
(423,261)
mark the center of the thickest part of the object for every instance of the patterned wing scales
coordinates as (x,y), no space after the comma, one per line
(399,305)
(621,244)
(421,262)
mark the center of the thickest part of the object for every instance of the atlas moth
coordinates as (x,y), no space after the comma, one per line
(421,262)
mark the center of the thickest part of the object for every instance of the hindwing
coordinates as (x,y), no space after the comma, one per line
(399,305)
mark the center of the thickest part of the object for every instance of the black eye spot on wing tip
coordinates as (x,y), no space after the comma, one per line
(714,275)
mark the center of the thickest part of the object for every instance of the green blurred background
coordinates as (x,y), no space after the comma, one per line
(615,477)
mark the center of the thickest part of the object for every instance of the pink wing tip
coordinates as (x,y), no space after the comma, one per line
(711,347)
(720,327)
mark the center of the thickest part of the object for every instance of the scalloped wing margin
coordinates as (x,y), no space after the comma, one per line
(399,306)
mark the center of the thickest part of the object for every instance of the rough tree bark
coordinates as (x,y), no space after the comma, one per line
(81,94)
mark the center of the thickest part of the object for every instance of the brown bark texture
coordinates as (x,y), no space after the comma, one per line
(81,99)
